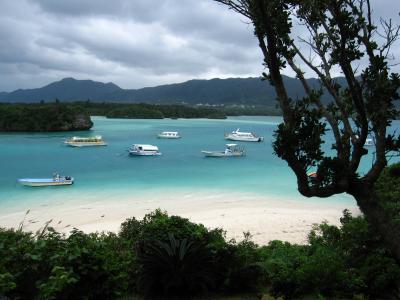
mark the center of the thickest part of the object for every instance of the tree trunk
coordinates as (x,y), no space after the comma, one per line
(378,217)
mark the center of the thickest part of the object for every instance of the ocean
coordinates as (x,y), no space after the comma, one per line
(109,172)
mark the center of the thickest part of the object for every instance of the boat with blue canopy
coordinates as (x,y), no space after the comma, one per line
(56,180)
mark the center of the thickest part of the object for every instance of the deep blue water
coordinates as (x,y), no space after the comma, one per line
(102,171)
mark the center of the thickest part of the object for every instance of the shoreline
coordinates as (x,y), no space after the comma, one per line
(266,218)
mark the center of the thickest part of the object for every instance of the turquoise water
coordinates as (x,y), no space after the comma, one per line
(103,171)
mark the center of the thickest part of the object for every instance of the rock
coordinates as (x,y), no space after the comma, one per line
(81,122)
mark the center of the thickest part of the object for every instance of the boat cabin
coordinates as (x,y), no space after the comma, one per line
(169,135)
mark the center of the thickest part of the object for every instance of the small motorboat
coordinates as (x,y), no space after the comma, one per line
(169,135)
(231,150)
(56,180)
(144,150)
(238,135)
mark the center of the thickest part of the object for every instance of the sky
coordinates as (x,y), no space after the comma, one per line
(133,43)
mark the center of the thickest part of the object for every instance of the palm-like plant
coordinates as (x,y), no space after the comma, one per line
(175,267)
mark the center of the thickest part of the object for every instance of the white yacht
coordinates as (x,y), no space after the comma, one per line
(56,180)
(77,141)
(237,135)
(230,150)
(144,150)
(169,135)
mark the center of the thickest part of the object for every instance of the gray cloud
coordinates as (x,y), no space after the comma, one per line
(133,43)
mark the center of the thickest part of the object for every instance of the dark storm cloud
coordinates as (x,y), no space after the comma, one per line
(133,43)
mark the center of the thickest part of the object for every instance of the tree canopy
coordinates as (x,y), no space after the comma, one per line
(44,117)
(341,36)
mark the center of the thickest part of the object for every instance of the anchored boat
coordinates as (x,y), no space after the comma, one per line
(369,142)
(169,135)
(238,135)
(231,150)
(56,180)
(85,141)
(144,150)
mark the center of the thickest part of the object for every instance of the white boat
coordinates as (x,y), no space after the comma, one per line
(237,135)
(169,135)
(369,142)
(144,150)
(56,180)
(230,151)
(77,141)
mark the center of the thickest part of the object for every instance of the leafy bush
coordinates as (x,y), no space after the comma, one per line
(169,255)
(175,268)
(363,264)
(246,272)
(282,261)
(387,188)
(158,225)
(338,262)
(51,266)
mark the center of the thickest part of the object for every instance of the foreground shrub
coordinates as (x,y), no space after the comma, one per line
(51,266)
(338,262)
(370,268)
(246,272)
(158,225)
(175,268)
(282,261)
(169,256)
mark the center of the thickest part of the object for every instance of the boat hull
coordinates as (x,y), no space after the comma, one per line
(241,139)
(71,144)
(168,137)
(142,153)
(221,154)
(45,182)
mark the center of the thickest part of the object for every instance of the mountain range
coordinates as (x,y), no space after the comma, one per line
(213,91)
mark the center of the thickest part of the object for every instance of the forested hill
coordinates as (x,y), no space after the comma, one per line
(214,91)
(43,118)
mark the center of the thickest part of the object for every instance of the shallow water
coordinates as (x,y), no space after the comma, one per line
(103,172)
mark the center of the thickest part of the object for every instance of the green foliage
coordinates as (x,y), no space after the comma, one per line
(246,273)
(368,267)
(175,268)
(281,261)
(301,139)
(50,266)
(158,225)
(59,280)
(341,35)
(7,283)
(135,112)
(43,117)
(151,111)
(387,188)
(164,255)
(339,262)
(250,110)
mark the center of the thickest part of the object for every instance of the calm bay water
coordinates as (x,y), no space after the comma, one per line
(100,172)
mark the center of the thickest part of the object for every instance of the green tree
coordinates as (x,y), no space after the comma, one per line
(342,36)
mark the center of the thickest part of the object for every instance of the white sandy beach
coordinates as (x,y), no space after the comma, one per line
(265,218)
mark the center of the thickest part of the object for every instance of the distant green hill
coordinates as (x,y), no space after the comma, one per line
(214,91)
